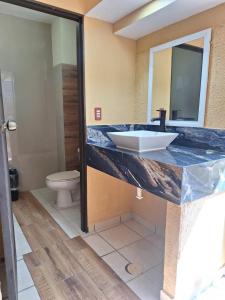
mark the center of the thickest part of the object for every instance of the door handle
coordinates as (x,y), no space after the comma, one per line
(10,125)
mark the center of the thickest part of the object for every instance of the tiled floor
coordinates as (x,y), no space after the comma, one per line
(26,288)
(148,285)
(137,227)
(68,219)
(22,246)
(29,294)
(101,247)
(143,254)
(131,242)
(118,263)
(119,236)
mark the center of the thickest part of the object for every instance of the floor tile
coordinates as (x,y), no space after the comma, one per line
(70,230)
(143,253)
(71,213)
(139,228)
(22,246)
(29,294)
(126,217)
(118,264)
(24,278)
(156,240)
(120,236)
(97,243)
(148,224)
(148,285)
(107,224)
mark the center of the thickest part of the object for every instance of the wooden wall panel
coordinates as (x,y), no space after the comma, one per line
(71,116)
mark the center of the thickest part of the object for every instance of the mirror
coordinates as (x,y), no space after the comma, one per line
(178,79)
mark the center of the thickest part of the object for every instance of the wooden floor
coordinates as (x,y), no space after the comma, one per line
(64,268)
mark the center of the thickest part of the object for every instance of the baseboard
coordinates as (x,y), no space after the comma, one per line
(103,225)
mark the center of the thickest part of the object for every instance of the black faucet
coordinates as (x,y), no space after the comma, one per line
(162,119)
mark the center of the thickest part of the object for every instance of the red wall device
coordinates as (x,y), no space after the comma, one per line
(98,113)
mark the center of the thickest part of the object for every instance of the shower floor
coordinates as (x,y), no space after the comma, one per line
(68,218)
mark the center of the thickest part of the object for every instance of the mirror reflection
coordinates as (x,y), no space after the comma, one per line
(176,85)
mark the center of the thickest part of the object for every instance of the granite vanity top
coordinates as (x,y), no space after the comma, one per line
(178,174)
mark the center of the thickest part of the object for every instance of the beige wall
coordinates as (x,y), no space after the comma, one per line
(79,6)
(109,197)
(109,73)
(151,208)
(72,5)
(26,53)
(161,81)
(213,18)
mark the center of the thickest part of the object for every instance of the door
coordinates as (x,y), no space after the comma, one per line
(6,207)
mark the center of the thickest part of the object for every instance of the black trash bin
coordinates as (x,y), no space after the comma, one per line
(14,183)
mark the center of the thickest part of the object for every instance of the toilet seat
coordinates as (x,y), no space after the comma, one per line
(64,176)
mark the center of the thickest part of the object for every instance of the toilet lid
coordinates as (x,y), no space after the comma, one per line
(64,176)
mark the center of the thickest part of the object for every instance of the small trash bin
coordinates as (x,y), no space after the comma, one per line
(14,183)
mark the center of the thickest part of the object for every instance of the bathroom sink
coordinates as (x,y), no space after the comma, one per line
(142,140)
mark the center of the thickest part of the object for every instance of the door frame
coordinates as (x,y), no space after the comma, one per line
(52,10)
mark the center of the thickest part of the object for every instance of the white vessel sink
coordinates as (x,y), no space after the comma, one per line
(142,140)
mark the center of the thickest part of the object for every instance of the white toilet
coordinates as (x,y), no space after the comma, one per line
(67,186)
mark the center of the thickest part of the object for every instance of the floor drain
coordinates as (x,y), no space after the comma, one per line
(133,269)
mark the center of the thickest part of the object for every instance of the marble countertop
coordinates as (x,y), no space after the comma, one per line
(176,155)
(179,174)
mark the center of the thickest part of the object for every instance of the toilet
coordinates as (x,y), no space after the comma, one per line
(67,186)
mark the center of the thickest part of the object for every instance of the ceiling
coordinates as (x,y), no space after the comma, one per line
(113,10)
(25,13)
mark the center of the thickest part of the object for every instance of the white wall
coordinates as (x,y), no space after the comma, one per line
(64,42)
(26,52)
